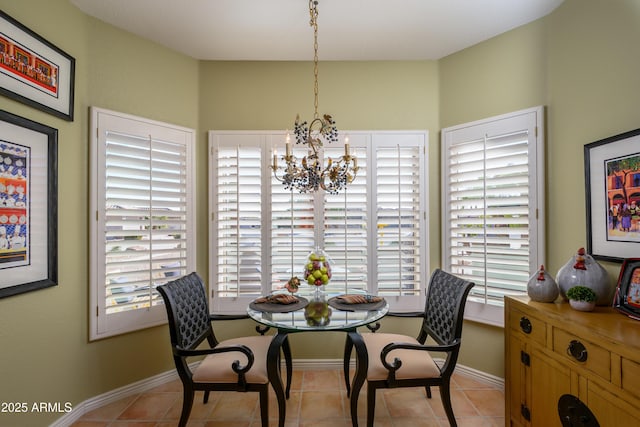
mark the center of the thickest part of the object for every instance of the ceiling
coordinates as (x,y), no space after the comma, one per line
(348,29)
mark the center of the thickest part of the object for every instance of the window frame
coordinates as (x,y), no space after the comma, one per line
(103,121)
(363,142)
(493,313)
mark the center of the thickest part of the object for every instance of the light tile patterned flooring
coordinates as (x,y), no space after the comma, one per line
(318,399)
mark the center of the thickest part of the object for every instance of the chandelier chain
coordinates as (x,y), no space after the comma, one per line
(313,10)
(311,173)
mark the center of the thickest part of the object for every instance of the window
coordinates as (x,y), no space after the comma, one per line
(375,231)
(493,203)
(142,202)
(618,182)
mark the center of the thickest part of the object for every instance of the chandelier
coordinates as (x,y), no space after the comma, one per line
(310,173)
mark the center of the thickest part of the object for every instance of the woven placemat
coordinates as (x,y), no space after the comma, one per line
(269,307)
(335,303)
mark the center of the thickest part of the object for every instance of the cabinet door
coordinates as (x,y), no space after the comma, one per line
(517,380)
(549,380)
(609,410)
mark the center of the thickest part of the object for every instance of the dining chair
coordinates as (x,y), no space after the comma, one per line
(386,360)
(238,364)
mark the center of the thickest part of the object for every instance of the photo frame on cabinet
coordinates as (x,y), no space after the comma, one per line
(28,205)
(34,71)
(627,299)
(612,183)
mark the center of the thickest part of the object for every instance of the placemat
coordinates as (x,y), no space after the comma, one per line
(335,303)
(269,307)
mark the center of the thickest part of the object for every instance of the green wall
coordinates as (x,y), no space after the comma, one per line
(359,95)
(580,62)
(506,73)
(45,355)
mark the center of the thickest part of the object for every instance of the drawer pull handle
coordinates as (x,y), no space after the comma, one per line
(577,350)
(525,325)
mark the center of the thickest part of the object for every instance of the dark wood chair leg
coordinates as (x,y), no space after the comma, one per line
(205,399)
(371,405)
(428,389)
(264,406)
(445,396)
(362,366)
(348,347)
(286,349)
(273,373)
(187,403)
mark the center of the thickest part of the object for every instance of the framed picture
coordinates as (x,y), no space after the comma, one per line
(627,299)
(28,205)
(34,71)
(612,178)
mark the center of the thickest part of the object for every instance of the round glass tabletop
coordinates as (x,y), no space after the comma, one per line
(319,315)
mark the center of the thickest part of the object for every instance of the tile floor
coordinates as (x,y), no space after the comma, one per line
(318,399)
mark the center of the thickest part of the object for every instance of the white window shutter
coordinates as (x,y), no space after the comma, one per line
(237,227)
(492,192)
(346,223)
(292,224)
(401,239)
(143,233)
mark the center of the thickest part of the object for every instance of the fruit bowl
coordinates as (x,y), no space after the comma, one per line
(317,270)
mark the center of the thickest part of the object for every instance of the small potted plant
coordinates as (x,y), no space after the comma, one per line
(582,298)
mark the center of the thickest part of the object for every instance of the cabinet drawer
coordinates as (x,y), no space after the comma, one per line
(631,377)
(582,353)
(532,327)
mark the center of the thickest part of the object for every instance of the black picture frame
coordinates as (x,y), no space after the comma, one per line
(29,177)
(34,71)
(627,298)
(612,185)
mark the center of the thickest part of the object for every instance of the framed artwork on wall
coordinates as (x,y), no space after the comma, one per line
(28,205)
(34,71)
(612,178)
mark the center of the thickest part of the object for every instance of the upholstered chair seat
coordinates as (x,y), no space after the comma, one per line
(415,364)
(216,368)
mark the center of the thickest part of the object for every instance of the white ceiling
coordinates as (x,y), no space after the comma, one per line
(348,29)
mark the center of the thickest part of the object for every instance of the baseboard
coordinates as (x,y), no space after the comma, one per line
(300,364)
(480,376)
(114,395)
(483,377)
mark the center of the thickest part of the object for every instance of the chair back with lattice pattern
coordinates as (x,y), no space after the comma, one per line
(444,309)
(187,310)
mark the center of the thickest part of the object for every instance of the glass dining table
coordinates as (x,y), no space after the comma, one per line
(314,312)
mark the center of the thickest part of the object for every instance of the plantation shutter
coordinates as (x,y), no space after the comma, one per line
(346,223)
(144,219)
(238,243)
(398,217)
(491,202)
(293,225)
(262,233)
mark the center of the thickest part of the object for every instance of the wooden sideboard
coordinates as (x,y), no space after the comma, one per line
(552,350)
